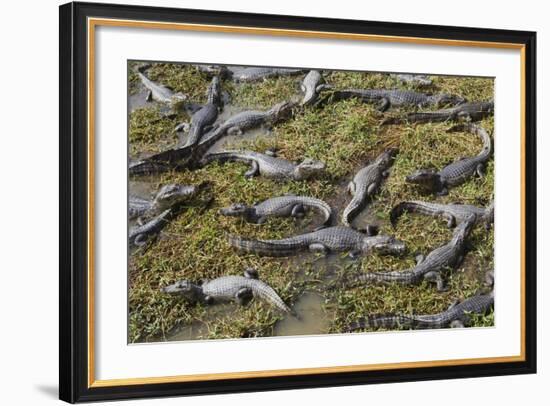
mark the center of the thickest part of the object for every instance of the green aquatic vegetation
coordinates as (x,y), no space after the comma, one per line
(346,135)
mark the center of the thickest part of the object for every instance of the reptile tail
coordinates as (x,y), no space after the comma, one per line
(263,248)
(350,212)
(323,208)
(381,321)
(407,207)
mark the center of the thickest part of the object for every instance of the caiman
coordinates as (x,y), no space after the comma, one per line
(394,97)
(269,166)
(282,206)
(167,197)
(240,289)
(419,80)
(427,268)
(366,183)
(262,73)
(457,172)
(331,239)
(190,156)
(453,213)
(204,118)
(457,315)
(140,235)
(474,111)
(161,93)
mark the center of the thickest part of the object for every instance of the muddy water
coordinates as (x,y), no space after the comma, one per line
(312,317)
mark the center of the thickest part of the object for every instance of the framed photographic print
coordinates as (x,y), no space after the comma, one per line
(257,202)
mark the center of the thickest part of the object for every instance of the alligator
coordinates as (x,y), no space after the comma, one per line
(474,111)
(330,239)
(161,93)
(457,172)
(449,255)
(139,235)
(269,166)
(205,117)
(311,86)
(282,206)
(457,315)
(453,213)
(262,73)
(190,156)
(366,183)
(420,80)
(240,289)
(168,196)
(394,97)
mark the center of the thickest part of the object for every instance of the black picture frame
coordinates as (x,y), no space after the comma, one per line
(73,255)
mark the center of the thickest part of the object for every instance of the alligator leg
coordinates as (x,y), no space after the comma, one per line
(384,104)
(480,170)
(235,131)
(140,240)
(318,247)
(298,211)
(420,258)
(443,191)
(209,300)
(149,96)
(253,171)
(182,127)
(435,277)
(251,273)
(456,324)
(455,302)
(351,188)
(451,220)
(372,189)
(244,296)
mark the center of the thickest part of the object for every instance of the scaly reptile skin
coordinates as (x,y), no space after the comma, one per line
(331,239)
(468,111)
(206,115)
(190,156)
(312,84)
(389,98)
(226,289)
(282,206)
(269,166)
(420,80)
(366,183)
(458,315)
(161,93)
(255,74)
(448,255)
(458,172)
(168,196)
(139,235)
(453,213)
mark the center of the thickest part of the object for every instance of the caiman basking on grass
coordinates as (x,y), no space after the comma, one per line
(366,183)
(240,289)
(204,118)
(160,93)
(449,255)
(269,166)
(282,206)
(474,111)
(167,197)
(326,240)
(262,73)
(396,98)
(457,172)
(419,80)
(140,235)
(457,315)
(453,213)
(190,156)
